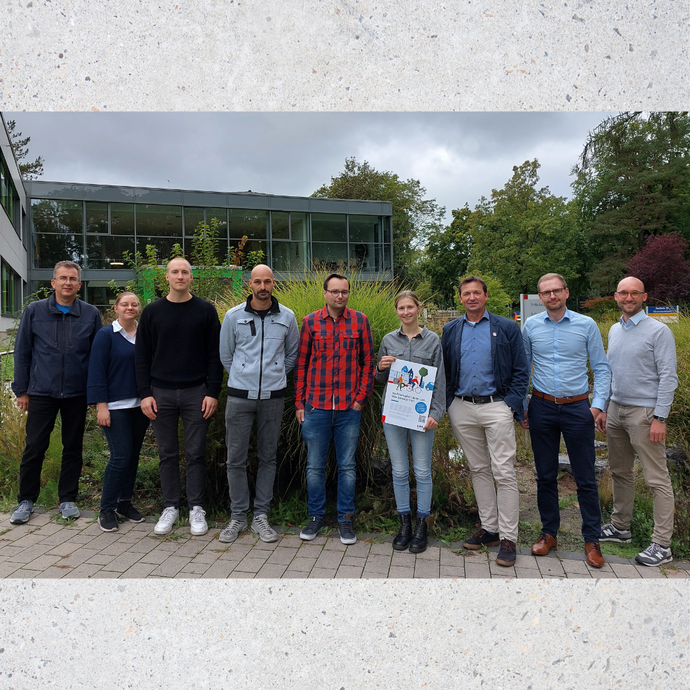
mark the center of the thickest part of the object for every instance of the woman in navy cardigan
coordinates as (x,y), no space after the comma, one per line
(112,388)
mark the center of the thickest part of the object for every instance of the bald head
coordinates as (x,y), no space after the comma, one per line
(630,296)
(261,283)
(178,261)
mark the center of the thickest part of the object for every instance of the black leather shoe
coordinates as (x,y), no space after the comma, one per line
(403,537)
(418,543)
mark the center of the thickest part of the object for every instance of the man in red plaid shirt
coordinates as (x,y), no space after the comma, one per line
(334,377)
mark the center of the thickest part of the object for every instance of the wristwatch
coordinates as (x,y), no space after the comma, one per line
(660,419)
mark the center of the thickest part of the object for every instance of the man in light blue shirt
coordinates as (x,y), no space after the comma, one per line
(558,344)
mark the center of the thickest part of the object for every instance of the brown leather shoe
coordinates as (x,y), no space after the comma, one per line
(593,553)
(545,543)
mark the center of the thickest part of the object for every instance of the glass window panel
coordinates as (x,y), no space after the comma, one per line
(365,228)
(328,227)
(159,220)
(122,219)
(49,249)
(280,225)
(298,226)
(54,215)
(101,294)
(364,257)
(290,256)
(386,222)
(221,254)
(108,252)
(192,218)
(221,215)
(387,263)
(247,222)
(329,257)
(9,290)
(163,246)
(96,217)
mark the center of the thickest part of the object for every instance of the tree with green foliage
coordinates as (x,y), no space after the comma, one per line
(523,232)
(29,170)
(632,181)
(414,217)
(446,256)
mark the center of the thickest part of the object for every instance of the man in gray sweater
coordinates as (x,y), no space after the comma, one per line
(642,355)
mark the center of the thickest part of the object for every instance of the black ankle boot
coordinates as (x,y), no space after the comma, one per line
(418,543)
(402,538)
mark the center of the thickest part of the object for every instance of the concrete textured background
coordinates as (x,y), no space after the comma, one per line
(344,55)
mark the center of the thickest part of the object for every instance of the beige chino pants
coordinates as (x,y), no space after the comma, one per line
(627,431)
(487,436)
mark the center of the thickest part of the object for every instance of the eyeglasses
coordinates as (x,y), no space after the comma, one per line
(625,294)
(67,279)
(556,293)
(335,293)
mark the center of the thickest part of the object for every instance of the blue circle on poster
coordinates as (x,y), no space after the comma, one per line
(420,408)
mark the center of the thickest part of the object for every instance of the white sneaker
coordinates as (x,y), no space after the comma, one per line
(263,529)
(197,521)
(166,521)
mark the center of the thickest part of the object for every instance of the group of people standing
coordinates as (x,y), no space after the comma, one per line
(168,367)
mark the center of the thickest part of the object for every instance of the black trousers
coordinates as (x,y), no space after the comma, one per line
(39,425)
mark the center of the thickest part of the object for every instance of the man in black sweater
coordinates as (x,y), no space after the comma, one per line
(179,375)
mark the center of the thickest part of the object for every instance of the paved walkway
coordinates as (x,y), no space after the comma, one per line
(48,547)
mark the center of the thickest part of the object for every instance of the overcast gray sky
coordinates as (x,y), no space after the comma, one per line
(458,157)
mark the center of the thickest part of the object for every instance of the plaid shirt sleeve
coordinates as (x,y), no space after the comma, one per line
(367,361)
(303,358)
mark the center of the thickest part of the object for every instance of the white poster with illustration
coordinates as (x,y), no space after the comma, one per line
(408,394)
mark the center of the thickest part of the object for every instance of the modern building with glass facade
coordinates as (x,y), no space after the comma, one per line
(15,235)
(97,225)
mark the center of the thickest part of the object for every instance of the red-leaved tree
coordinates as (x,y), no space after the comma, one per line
(662,267)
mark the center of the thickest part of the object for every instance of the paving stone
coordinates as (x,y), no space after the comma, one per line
(527,573)
(156,557)
(65,549)
(476,570)
(335,545)
(10,551)
(182,575)
(122,562)
(290,541)
(401,571)
(359,550)
(204,557)
(266,546)
(431,554)
(145,545)
(32,552)
(328,573)
(329,559)
(373,575)
(403,559)
(624,570)
(579,576)
(476,557)
(250,565)
(310,550)
(117,548)
(105,575)
(271,570)
(170,567)
(51,573)
(282,556)
(54,539)
(235,553)
(303,565)
(219,569)
(49,529)
(197,568)
(575,567)
(550,567)
(169,545)
(381,549)
(22,574)
(42,562)
(293,575)
(501,570)
(673,573)
(353,562)
(101,559)
(426,568)
(237,575)
(349,571)
(189,550)
(572,556)
(80,539)
(522,561)
(682,565)
(602,574)
(8,568)
(448,557)
(379,564)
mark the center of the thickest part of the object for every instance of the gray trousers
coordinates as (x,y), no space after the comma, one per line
(239,418)
(173,405)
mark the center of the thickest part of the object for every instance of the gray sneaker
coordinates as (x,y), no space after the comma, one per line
(232,531)
(69,510)
(654,555)
(261,527)
(22,512)
(611,533)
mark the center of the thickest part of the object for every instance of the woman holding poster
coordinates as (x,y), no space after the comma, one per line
(422,348)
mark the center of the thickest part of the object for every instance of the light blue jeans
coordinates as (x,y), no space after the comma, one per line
(422,442)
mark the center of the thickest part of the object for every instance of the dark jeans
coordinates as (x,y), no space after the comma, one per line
(239,418)
(318,429)
(125,436)
(39,424)
(547,421)
(173,405)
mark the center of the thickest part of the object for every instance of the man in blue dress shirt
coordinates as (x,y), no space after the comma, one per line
(558,343)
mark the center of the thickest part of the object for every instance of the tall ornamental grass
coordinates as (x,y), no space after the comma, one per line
(373,298)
